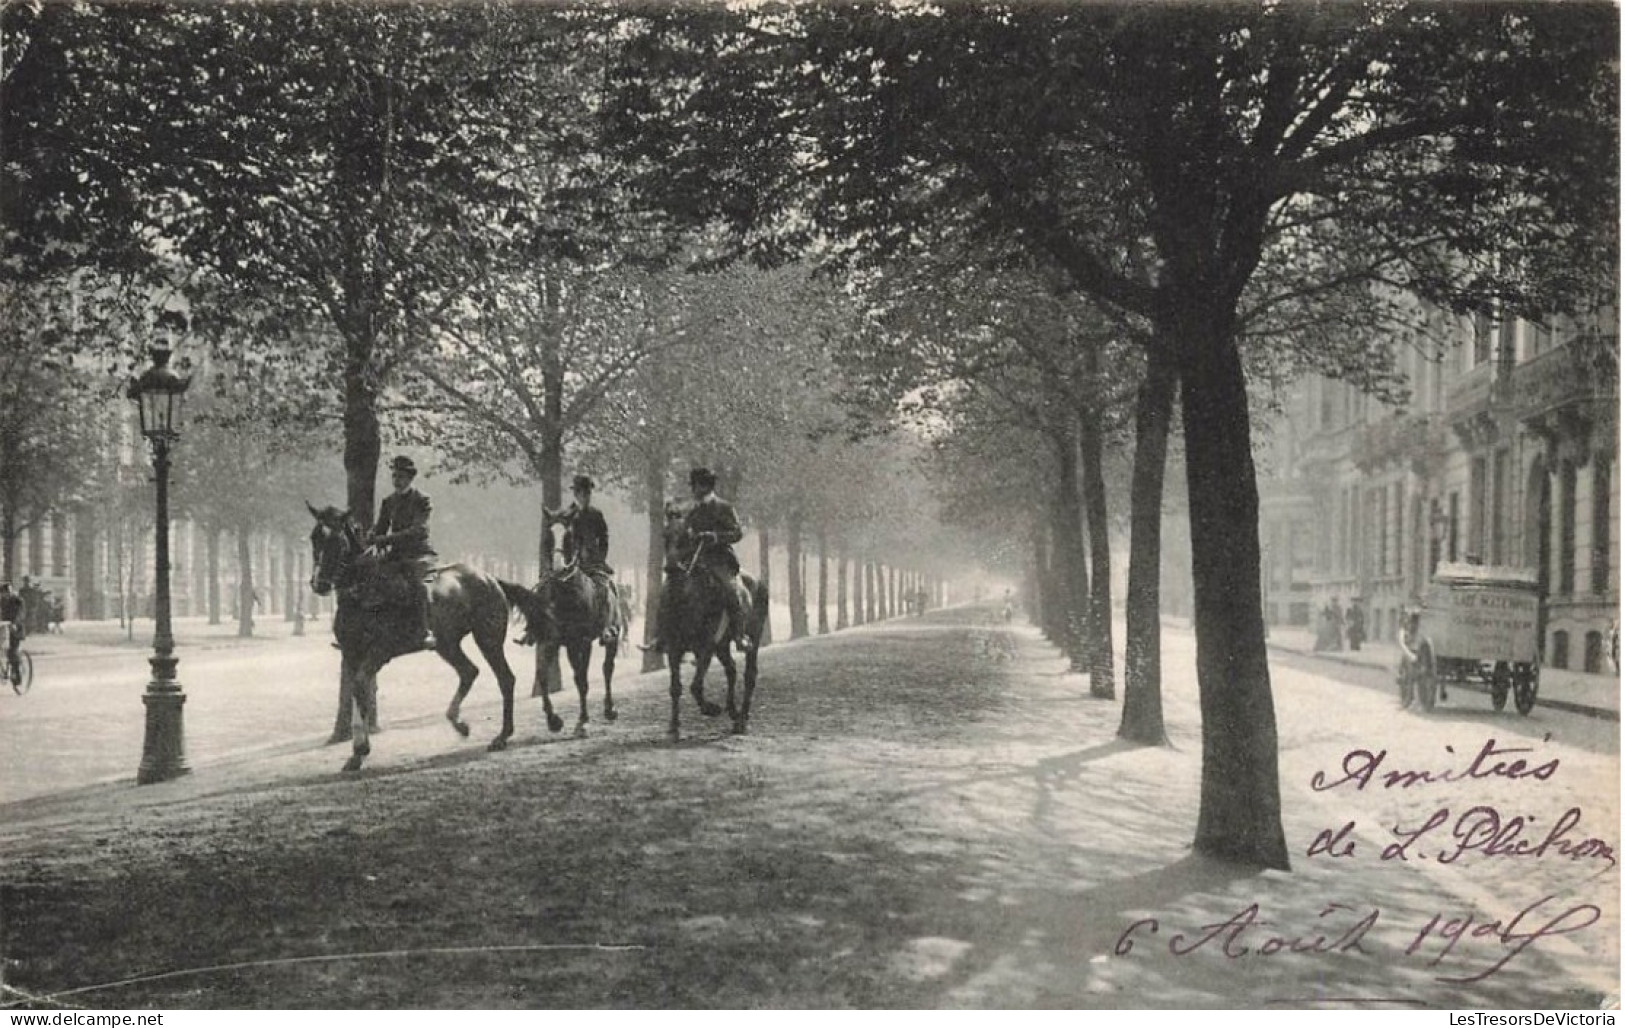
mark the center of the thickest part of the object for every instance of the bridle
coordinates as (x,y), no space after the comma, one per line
(335,543)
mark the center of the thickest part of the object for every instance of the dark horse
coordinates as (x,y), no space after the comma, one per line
(698,613)
(577,610)
(372,633)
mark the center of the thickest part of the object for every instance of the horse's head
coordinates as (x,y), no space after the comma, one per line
(334,545)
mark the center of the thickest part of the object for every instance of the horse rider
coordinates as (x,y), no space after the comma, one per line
(401,537)
(586,544)
(713,527)
(11,622)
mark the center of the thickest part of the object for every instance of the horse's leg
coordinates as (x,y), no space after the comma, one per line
(489,639)
(451,651)
(730,670)
(750,689)
(580,653)
(609,676)
(363,692)
(546,656)
(372,702)
(674,660)
(702,662)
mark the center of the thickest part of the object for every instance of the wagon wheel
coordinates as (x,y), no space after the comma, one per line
(1525,684)
(1500,684)
(1427,676)
(1407,682)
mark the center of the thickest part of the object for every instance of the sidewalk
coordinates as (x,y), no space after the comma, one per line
(96,638)
(1573,691)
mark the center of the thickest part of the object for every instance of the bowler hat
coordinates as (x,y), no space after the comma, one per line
(582,483)
(703,477)
(403,464)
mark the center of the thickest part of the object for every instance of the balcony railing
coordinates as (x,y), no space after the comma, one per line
(1472,392)
(1559,379)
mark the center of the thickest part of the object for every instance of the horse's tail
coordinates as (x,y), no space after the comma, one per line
(758,605)
(526,603)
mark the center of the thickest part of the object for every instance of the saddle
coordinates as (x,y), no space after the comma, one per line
(386,587)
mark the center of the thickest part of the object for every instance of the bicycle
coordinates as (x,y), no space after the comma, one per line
(21,672)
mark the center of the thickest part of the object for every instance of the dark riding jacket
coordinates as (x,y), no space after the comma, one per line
(715,514)
(586,536)
(402,531)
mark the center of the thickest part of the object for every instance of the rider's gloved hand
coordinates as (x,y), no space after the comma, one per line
(709,537)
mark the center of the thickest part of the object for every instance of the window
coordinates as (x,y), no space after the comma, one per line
(59,545)
(1396,562)
(1483,340)
(1455,527)
(1603,471)
(36,550)
(1569,479)
(1379,498)
(1498,510)
(1476,487)
(1593,658)
(1560,650)
(1540,337)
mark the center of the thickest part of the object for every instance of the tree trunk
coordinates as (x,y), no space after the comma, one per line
(1102,669)
(361,444)
(8,541)
(823,581)
(764,548)
(798,587)
(212,548)
(654,498)
(290,577)
(840,592)
(551,471)
(868,591)
(1034,590)
(1142,668)
(1240,818)
(1069,569)
(245,583)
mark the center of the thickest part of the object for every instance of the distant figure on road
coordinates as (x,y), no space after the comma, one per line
(1356,624)
(1331,627)
(33,597)
(11,623)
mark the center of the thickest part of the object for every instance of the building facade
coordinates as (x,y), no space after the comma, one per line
(1505,452)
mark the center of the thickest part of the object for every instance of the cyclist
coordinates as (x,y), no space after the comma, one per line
(11,625)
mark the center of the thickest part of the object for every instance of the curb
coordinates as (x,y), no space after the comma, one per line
(1585,710)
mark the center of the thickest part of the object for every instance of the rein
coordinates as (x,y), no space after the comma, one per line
(692,561)
(342,573)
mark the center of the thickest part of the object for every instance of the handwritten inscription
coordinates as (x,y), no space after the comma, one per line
(1360,769)
(1343,929)
(1448,837)
(1485,830)
(1481,830)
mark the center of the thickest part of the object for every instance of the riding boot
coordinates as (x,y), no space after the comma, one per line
(423,619)
(741,625)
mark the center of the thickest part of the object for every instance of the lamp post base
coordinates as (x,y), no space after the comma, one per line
(163,754)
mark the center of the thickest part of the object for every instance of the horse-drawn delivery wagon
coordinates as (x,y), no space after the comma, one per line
(1475,623)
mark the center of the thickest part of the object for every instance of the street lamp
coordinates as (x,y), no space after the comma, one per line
(160,395)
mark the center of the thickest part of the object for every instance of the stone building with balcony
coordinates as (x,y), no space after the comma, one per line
(1504,452)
